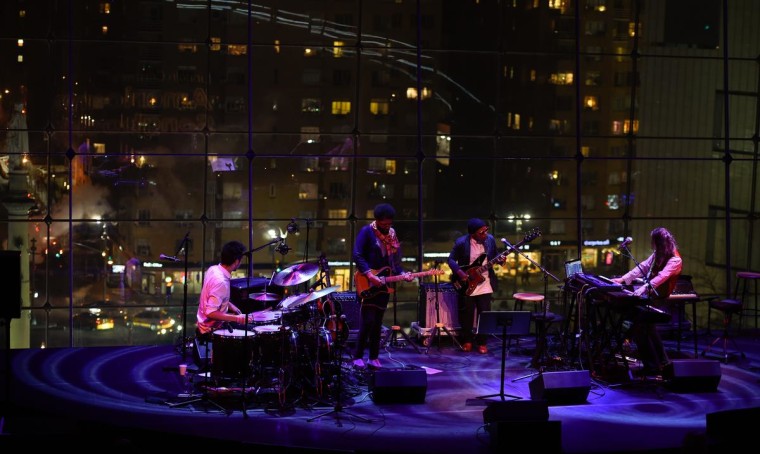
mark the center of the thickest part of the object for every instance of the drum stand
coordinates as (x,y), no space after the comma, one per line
(438,325)
(338,408)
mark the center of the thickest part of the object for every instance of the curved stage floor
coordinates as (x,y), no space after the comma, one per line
(117,396)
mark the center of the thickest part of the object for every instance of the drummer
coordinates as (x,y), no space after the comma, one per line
(215,310)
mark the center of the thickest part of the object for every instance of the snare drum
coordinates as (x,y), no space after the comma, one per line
(267,318)
(273,346)
(231,353)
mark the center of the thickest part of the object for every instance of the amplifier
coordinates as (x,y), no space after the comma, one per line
(351,308)
(448,306)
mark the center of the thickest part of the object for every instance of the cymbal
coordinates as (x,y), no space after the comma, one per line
(296,274)
(291,301)
(315,295)
(264,296)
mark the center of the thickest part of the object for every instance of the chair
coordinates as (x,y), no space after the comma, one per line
(743,279)
(728,307)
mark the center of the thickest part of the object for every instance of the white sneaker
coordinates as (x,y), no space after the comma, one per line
(375,363)
(359,363)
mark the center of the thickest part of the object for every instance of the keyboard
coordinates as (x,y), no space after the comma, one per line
(598,282)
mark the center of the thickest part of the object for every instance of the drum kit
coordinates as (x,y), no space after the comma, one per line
(286,345)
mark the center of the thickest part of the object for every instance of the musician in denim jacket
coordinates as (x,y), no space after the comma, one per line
(468,253)
(376,247)
(660,272)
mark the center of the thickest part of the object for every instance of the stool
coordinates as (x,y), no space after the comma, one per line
(728,307)
(542,319)
(742,280)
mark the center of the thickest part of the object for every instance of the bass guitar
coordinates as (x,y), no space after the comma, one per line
(365,289)
(475,271)
(334,323)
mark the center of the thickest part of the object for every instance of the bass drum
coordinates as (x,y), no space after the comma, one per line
(231,353)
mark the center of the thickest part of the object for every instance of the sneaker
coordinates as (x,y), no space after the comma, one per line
(482,349)
(359,363)
(375,363)
(467,347)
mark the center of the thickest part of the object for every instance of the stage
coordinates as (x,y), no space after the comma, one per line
(424,400)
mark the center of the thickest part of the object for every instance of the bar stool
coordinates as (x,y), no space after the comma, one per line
(542,319)
(742,281)
(728,307)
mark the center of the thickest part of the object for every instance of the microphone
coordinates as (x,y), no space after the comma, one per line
(293,226)
(625,243)
(170,258)
(282,248)
(507,243)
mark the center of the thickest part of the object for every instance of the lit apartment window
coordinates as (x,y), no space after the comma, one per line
(307,191)
(627,126)
(516,122)
(339,213)
(378,106)
(341,107)
(309,52)
(311,105)
(216,44)
(105,8)
(590,103)
(532,75)
(277,46)
(338,48)
(104,30)
(411,93)
(309,134)
(585,151)
(613,202)
(189,48)
(596,5)
(236,49)
(561,78)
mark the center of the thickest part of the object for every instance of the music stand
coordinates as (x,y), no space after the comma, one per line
(506,323)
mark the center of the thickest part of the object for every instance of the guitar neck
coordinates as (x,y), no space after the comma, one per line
(400,277)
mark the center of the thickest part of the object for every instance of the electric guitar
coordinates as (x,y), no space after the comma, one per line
(365,289)
(334,323)
(475,271)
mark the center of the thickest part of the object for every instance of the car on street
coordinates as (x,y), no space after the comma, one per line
(157,320)
(93,321)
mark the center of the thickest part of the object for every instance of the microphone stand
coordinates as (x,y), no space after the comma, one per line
(183,336)
(247,353)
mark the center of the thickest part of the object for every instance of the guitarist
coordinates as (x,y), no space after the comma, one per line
(470,252)
(376,247)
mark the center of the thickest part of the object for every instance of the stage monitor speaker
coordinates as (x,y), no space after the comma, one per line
(726,430)
(525,436)
(516,410)
(693,375)
(10,307)
(448,306)
(397,385)
(559,388)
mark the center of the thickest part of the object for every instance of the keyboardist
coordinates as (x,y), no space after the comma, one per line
(659,272)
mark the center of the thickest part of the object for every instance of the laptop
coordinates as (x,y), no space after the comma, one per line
(504,322)
(573,267)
